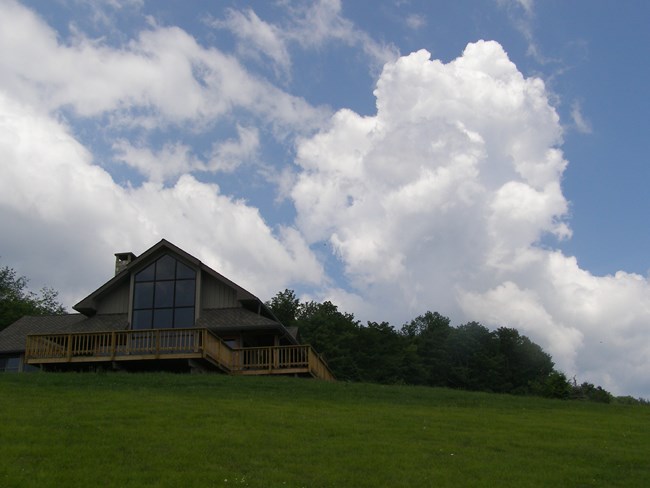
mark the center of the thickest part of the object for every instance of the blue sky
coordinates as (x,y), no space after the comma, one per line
(487,160)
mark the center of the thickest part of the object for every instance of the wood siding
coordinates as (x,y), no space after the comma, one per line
(115,301)
(215,294)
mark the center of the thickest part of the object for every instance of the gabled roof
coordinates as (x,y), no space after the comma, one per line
(88,306)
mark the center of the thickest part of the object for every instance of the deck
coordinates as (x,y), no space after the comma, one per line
(174,344)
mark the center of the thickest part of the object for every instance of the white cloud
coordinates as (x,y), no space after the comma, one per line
(255,35)
(521,14)
(175,159)
(311,26)
(526,5)
(322,21)
(581,123)
(440,200)
(416,21)
(103,11)
(228,155)
(164,76)
(68,216)
(160,166)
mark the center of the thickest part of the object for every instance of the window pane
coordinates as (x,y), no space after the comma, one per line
(165,268)
(13,364)
(185,293)
(163,318)
(147,274)
(164,294)
(10,364)
(184,272)
(141,319)
(184,317)
(143,295)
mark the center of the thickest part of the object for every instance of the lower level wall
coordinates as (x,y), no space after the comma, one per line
(14,363)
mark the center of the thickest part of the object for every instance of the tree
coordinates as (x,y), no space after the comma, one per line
(380,353)
(285,307)
(474,361)
(429,333)
(16,301)
(334,334)
(556,385)
(524,363)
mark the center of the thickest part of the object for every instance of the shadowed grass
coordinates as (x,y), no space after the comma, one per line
(180,430)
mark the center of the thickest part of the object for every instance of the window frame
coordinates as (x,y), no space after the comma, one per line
(145,284)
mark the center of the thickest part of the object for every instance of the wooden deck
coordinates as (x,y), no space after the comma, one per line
(161,344)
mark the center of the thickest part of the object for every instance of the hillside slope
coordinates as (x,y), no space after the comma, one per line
(172,430)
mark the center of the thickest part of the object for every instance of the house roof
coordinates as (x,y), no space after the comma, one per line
(88,306)
(240,320)
(12,338)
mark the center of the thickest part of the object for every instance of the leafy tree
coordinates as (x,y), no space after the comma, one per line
(524,363)
(332,333)
(285,306)
(16,301)
(588,391)
(380,353)
(555,385)
(429,333)
(474,358)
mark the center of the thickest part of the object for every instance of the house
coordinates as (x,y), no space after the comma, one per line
(163,310)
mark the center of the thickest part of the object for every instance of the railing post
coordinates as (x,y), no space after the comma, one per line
(157,343)
(69,353)
(113,345)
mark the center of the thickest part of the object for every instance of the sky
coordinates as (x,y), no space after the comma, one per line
(486,160)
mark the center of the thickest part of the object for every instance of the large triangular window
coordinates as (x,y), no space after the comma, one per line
(164,295)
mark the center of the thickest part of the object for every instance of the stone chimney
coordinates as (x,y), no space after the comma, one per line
(122,260)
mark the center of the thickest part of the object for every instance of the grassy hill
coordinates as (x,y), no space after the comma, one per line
(133,430)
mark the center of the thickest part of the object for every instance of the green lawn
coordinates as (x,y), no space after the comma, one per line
(211,430)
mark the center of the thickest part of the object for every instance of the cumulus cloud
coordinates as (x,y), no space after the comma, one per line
(69,216)
(440,201)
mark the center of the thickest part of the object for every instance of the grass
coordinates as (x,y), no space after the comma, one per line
(133,430)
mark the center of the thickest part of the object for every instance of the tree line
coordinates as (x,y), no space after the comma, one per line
(428,350)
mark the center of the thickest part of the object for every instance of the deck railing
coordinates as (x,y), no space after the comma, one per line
(100,346)
(125,345)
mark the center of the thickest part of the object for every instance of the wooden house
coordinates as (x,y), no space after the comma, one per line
(163,310)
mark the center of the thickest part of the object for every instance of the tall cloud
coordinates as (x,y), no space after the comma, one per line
(440,201)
